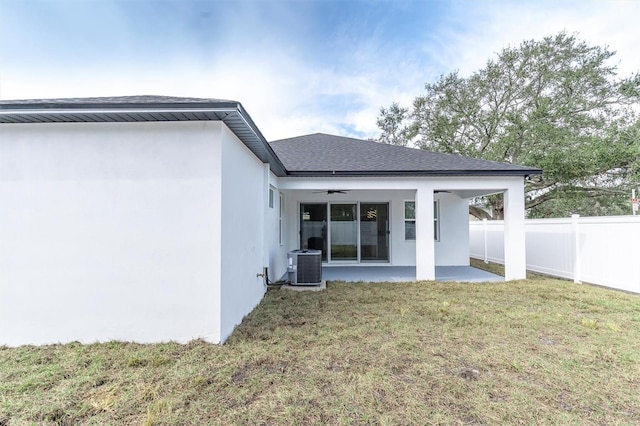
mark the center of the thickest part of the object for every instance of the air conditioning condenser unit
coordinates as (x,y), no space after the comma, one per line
(305,267)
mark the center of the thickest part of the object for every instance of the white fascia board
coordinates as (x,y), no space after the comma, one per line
(113,111)
(479,183)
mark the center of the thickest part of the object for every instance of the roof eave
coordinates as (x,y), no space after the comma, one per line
(371,173)
(274,161)
(254,140)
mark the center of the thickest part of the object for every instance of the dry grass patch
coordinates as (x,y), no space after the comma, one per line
(538,351)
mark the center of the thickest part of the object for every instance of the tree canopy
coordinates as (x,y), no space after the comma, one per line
(556,104)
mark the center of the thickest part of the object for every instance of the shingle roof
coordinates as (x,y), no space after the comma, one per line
(322,154)
(120,101)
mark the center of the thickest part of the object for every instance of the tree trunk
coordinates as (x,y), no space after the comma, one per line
(497,206)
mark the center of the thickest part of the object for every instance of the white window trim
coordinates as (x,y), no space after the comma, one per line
(405,220)
(271,197)
(436,219)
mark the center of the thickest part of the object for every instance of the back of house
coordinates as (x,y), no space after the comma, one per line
(153,218)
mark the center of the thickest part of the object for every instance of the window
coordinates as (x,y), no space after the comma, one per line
(280,224)
(410,220)
(270,198)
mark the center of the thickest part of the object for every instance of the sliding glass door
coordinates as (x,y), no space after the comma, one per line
(313,227)
(374,232)
(346,232)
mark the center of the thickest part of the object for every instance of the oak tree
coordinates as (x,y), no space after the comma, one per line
(556,104)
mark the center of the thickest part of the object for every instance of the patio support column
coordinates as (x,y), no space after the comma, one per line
(425,248)
(515,260)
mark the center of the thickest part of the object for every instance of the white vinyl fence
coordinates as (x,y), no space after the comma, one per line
(596,250)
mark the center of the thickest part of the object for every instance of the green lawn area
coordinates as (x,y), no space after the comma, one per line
(540,351)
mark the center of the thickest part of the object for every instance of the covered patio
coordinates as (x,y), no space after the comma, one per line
(365,233)
(387,213)
(405,274)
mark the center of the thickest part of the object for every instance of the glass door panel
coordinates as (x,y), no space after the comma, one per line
(374,232)
(313,227)
(344,231)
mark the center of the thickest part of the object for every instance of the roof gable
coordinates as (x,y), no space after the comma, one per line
(322,154)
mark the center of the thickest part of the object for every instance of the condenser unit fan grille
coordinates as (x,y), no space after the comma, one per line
(305,267)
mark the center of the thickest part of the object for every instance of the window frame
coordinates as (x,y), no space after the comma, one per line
(436,219)
(409,220)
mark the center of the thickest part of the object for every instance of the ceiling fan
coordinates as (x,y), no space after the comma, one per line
(332,191)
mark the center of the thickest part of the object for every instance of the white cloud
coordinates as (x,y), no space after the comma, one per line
(288,94)
(481,29)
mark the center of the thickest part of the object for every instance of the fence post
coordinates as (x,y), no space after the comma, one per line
(484,237)
(576,247)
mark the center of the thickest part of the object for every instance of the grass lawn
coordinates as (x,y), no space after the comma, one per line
(540,351)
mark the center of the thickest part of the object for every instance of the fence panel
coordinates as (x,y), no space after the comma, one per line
(476,240)
(486,239)
(550,247)
(597,250)
(609,252)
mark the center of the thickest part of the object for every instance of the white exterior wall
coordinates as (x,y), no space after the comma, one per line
(453,247)
(111,231)
(244,197)
(276,251)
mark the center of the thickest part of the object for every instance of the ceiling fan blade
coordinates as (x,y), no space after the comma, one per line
(331,191)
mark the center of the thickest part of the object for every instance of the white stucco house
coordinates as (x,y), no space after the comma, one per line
(152,218)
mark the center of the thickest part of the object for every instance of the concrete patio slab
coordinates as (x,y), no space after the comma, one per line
(320,287)
(405,274)
(466,274)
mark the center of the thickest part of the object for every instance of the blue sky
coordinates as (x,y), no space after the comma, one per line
(297,66)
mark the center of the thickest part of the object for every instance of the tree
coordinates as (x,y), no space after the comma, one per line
(556,104)
(391,122)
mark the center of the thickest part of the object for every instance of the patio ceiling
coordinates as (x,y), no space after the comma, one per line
(472,193)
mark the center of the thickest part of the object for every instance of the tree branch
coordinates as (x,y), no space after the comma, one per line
(479,213)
